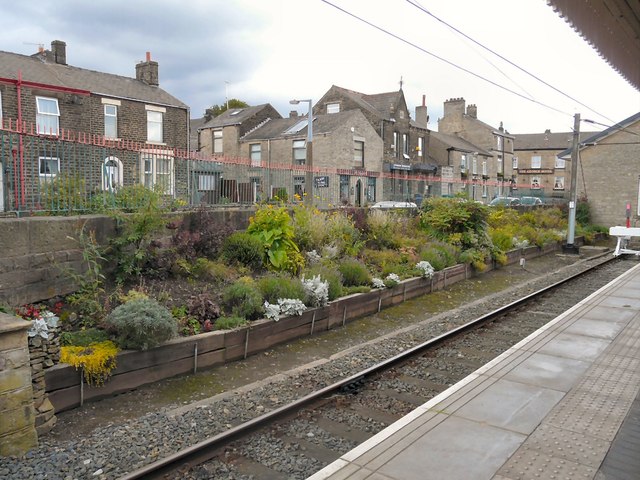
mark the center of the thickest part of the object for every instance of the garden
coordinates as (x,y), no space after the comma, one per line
(159,278)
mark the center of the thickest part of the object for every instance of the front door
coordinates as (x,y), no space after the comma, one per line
(358,199)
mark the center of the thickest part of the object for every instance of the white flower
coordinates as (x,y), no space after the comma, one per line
(393,277)
(378,283)
(317,290)
(39,327)
(426,269)
(291,306)
(517,243)
(272,312)
(313,256)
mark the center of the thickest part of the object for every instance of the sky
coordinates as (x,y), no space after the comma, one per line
(272,51)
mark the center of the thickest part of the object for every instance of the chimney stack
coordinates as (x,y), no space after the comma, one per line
(59,52)
(472,111)
(293,114)
(147,71)
(422,118)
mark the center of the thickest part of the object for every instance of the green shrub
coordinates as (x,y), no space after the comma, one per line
(243,299)
(141,324)
(358,289)
(229,323)
(83,338)
(343,233)
(329,274)
(214,272)
(476,258)
(354,273)
(310,228)
(435,257)
(381,230)
(244,249)
(275,286)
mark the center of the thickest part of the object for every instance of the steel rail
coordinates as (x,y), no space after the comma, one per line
(208,449)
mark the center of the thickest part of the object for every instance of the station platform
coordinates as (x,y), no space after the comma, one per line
(561,404)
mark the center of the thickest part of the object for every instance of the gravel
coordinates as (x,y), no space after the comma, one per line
(111,450)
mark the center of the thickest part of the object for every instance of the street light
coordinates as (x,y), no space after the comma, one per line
(309,151)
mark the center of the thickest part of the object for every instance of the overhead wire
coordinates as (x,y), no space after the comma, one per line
(424,10)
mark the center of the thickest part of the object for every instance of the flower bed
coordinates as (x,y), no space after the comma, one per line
(185,355)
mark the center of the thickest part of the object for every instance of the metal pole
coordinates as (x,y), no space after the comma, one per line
(570,247)
(309,159)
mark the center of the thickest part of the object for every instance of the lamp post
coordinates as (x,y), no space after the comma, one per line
(309,152)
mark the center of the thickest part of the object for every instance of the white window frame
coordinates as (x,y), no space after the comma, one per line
(558,183)
(111,174)
(463,163)
(43,119)
(217,146)
(499,167)
(485,190)
(484,168)
(151,175)
(536,183)
(474,166)
(298,147)
(333,107)
(561,163)
(514,163)
(155,119)
(405,144)
(536,161)
(49,174)
(255,153)
(207,182)
(498,142)
(394,142)
(420,145)
(110,115)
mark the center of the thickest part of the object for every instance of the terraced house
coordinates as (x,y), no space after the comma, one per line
(99,129)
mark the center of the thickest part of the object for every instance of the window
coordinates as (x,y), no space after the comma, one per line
(0,109)
(111,174)
(394,143)
(499,168)
(217,142)
(358,153)
(405,145)
(474,166)
(298,188)
(498,142)
(299,152)
(560,163)
(514,163)
(420,145)
(535,183)
(155,126)
(463,163)
(484,168)
(558,183)
(208,182)
(255,153)
(371,189)
(297,127)
(344,189)
(48,115)
(333,107)
(111,121)
(536,161)
(49,166)
(485,190)
(157,171)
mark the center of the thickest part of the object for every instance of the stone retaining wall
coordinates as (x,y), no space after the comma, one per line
(44,353)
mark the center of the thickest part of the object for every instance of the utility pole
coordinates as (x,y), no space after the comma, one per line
(573,200)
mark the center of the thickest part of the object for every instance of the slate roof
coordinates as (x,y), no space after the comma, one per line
(459,143)
(322,124)
(36,70)
(233,116)
(594,139)
(378,103)
(545,141)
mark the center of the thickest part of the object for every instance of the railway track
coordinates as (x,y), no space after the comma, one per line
(299,438)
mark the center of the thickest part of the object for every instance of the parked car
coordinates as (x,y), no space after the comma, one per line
(390,204)
(530,201)
(505,202)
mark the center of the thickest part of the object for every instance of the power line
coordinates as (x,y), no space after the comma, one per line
(421,8)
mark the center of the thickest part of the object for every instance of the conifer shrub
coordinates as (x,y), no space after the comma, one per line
(243,299)
(245,249)
(141,324)
(229,323)
(275,286)
(354,273)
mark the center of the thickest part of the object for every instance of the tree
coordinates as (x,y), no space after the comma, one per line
(216,110)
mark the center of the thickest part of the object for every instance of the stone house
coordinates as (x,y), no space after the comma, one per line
(539,168)
(464,167)
(405,141)
(609,172)
(66,110)
(464,123)
(347,159)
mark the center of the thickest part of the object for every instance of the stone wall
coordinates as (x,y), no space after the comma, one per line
(17,429)
(44,353)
